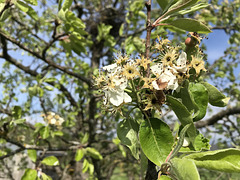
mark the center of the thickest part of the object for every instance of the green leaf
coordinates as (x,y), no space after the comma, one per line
(127,131)
(58,133)
(85,165)
(45,177)
(19,121)
(27,9)
(184,169)
(184,116)
(45,132)
(50,161)
(188,100)
(22,6)
(33,2)
(163,3)
(79,154)
(32,154)
(156,140)
(17,112)
(201,143)
(67,4)
(200,96)
(215,97)
(179,5)
(29,174)
(48,80)
(194,8)
(93,153)
(191,25)
(85,138)
(225,160)
(6,13)
(49,88)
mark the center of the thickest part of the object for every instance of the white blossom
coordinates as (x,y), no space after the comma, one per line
(157,69)
(181,63)
(167,80)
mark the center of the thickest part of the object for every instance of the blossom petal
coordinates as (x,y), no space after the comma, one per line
(127,98)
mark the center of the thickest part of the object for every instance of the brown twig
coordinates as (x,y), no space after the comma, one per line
(217,117)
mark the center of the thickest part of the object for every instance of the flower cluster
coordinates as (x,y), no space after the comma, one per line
(126,78)
(54,119)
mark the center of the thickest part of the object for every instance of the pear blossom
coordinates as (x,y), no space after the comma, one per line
(157,69)
(167,80)
(114,93)
(181,63)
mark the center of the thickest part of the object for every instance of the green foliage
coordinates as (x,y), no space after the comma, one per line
(225,160)
(184,169)
(29,174)
(127,131)
(50,161)
(62,47)
(79,154)
(32,154)
(215,97)
(190,25)
(156,140)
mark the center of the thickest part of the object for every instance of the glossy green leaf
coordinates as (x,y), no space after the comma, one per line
(215,97)
(184,116)
(22,6)
(200,96)
(225,160)
(194,8)
(29,174)
(50,161)
(32,154)
(45,132)
(188,101)
(163,3)
(67,4)
(127,131)
(85,165)
(6,13)
(45,177)
(79,154)
(180,5)
(156,140)
(93,153)
(191,25)
(184,169)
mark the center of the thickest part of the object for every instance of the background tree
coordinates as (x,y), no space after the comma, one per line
(49,52)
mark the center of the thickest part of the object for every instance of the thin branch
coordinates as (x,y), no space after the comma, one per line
(48,61)
(217,117)
(11,153)
(148,36)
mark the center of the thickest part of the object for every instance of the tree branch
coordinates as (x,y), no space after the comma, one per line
(217,117)
(48,61)
(27,70)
